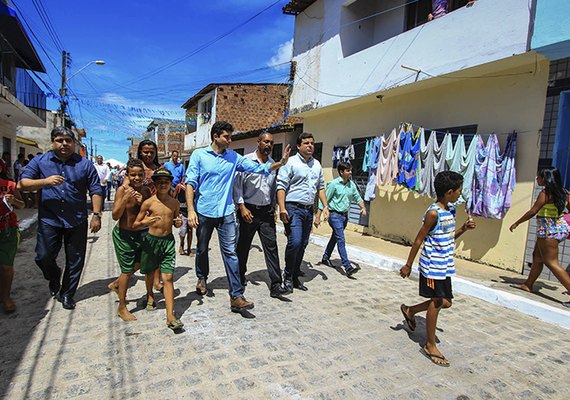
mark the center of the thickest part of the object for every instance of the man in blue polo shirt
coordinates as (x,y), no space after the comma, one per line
(64,178)
(209,181)
(297,186)
(176,169)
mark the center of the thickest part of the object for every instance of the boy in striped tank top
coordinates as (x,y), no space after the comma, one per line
(438,236)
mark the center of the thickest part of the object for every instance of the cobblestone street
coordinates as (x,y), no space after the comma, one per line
(344,338)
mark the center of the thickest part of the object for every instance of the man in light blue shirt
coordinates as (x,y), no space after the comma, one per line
(209,184)
(297,185)
(175,168)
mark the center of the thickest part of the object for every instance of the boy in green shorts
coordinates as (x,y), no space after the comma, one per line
(9,236)
(159,213)
(126,239)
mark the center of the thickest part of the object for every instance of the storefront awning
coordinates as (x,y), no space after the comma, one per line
(11,30)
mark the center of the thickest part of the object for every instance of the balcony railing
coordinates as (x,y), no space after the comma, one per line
(27,91)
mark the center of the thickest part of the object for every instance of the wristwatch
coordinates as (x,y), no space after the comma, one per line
(97,214)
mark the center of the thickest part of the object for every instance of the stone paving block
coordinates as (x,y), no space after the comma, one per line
(342,339)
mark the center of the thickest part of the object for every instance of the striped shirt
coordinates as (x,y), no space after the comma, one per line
(436,258)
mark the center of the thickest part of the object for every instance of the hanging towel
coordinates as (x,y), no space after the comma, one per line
(349,153)
(366,159)
(375,151)
(433,162)
(388,165)
(463,162)
(337,155)
(410,158)
(370,192)
(494,179)
(400,177)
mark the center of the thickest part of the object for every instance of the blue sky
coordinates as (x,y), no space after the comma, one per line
(138,40)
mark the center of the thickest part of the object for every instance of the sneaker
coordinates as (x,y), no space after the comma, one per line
(238,304)
(351,271)
(201,287)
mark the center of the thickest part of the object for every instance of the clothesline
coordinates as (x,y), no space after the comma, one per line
(451,133)
(469,134)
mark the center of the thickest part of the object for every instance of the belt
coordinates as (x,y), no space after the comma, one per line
(300,205)
(256,207)
(338,212)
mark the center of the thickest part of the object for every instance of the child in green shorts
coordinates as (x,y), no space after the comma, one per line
(9,237)
(126,239)
(159,213)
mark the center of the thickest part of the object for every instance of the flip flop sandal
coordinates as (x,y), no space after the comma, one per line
(150,306)
(175,324)
(432,358)
(411,322)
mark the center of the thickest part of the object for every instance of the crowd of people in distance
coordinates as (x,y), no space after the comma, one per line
(239,197)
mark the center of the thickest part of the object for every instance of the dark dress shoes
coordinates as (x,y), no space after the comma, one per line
(67,302)
(351,271)
(300,286)
(280,291)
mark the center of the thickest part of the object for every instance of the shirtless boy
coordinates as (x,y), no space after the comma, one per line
(159,213)
(126,239)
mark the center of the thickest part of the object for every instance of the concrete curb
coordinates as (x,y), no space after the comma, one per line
(541,311)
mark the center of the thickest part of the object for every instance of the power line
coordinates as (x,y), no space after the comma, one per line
(47,23)
(200,48)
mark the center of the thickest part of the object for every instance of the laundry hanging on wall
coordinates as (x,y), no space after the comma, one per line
(388,162)
(432,161)
(404,156)
(494,178)
(342,153)
(463,162)
(409,156)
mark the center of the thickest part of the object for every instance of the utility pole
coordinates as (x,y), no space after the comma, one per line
(63,90)
(91,148)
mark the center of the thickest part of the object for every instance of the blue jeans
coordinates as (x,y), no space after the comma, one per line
(338,223)
(226,227)
(48,245)
(298,231)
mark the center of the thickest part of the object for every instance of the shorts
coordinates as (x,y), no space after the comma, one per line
(551,228)
(9,240)
(158,251)
(431,288)
(128,247)
(184,227)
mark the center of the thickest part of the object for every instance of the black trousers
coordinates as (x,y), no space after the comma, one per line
(48,245)
(264,225)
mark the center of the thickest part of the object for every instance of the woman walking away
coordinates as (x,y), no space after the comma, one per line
(551,228)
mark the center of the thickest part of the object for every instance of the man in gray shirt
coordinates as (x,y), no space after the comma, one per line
(298,182)
(254,195)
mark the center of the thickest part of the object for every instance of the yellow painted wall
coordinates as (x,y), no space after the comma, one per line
(513,101)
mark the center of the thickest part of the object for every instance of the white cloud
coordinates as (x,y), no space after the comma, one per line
(284,54)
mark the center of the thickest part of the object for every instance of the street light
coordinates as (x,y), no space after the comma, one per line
(98,62)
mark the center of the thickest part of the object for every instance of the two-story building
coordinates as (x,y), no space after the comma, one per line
(251,108)
(22,102)
(168,135)
(365,66)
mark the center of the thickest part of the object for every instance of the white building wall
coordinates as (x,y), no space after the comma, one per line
(201,137)
(490,30)
(509,99)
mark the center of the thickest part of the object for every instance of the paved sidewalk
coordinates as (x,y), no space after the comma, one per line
(342,339)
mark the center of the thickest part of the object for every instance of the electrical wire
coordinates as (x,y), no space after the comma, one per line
(44,17)
(200,48)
